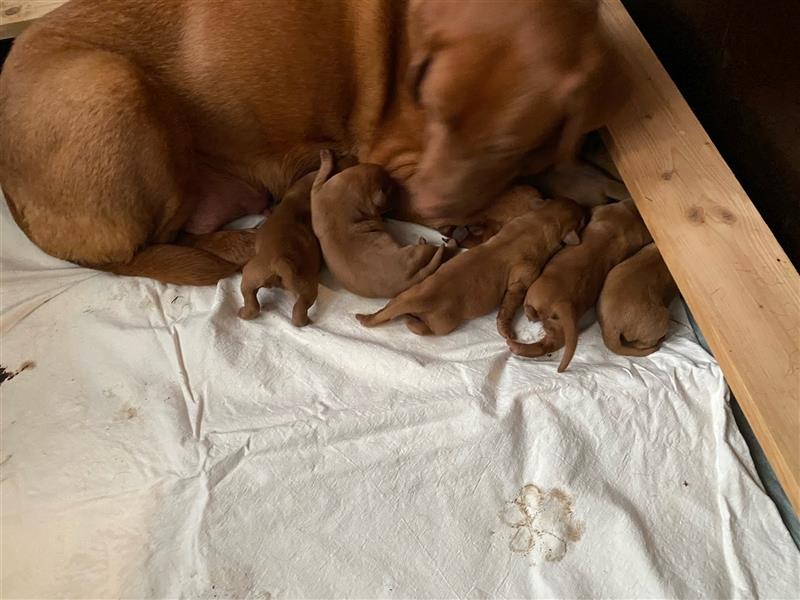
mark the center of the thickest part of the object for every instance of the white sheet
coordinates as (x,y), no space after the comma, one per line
(162,447)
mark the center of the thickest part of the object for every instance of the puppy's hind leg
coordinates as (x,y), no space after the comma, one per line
(306,299)
(552,341)
(252,280)
(520,280)
(417,326)
(306,291)
(395,308)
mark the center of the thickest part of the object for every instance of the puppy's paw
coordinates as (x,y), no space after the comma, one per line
(300,320)
(506,331)
(248,313)
(300,314)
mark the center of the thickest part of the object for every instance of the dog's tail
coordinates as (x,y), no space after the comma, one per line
(325,169)
(170,263)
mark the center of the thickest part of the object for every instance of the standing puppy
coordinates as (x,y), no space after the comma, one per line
(346,216)
(476,282)
(633,309)
(572,280)
(287,255)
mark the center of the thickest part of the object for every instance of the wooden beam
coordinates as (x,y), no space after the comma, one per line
(738,282)
(16,15)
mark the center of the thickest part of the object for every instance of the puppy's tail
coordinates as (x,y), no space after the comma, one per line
(570,327)
(325,169)
(170,263)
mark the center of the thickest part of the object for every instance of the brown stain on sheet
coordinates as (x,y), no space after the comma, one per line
(6,375)
(543,523)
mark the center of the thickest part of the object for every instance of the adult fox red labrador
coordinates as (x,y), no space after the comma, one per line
(123,124)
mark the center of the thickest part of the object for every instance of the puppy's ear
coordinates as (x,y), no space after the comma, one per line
(572,238)
(379,200)
(536,202)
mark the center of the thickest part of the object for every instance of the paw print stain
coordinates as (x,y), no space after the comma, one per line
(542,524)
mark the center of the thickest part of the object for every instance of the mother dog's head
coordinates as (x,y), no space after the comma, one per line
(504,85)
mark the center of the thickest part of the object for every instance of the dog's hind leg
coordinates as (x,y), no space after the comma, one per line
(234,246)
(99,166)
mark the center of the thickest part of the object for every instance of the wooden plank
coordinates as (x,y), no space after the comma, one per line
(16,15)
(738,282)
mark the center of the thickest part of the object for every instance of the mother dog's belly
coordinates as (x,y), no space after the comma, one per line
(221,198)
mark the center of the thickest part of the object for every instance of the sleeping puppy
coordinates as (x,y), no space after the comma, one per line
(571,281)
(287,255)
(346,217)
(633,309)
(475,282)
(583,182)
(592,179)
(514,203)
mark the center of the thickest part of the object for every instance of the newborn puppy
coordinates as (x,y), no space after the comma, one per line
(346,216)
(592,179)
(633,309)
(571,281)
(583,182)
(287,255)
(475,282)
(514,203)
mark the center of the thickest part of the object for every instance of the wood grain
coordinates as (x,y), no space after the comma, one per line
(738,282)
(15,15)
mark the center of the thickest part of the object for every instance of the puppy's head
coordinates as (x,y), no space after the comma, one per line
(497,82)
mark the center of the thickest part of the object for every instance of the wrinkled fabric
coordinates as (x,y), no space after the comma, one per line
(158,446)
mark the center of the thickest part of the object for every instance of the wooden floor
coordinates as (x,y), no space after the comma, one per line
(738,282)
